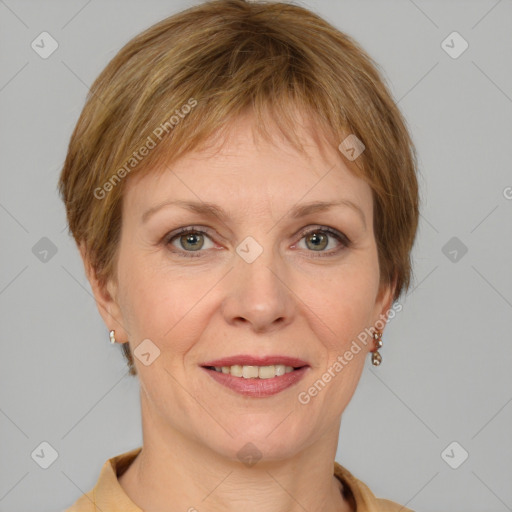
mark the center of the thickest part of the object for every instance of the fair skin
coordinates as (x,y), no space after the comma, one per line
(286,302)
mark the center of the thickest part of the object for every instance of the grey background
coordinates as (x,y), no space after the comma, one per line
(447,356)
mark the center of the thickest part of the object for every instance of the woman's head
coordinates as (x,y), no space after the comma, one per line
(243,106)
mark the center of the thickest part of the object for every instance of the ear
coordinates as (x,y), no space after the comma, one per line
(105,296)
(384,300)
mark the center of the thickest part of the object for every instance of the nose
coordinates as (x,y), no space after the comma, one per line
(257,294)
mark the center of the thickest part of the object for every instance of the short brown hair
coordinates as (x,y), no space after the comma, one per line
(220,59)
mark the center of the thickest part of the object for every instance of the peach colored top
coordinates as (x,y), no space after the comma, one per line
(108,495)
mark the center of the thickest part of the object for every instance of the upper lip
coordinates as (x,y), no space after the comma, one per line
(246,360)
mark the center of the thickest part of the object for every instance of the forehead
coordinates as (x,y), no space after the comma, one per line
(243,170)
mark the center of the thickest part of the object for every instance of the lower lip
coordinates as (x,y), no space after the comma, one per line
(258,388)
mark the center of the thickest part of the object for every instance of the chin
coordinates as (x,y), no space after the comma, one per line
(258,440)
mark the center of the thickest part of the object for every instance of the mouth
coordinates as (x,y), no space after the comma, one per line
(255,367)
(255,372)
(257,376)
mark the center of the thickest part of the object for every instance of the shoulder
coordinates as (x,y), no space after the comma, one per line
(107,490)
(361,496)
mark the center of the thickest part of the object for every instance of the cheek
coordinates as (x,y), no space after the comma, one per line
(348,313)
(344,301)
(162,307)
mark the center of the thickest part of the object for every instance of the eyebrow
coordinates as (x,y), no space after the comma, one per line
(212,210)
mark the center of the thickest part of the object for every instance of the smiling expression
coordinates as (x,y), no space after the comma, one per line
(307,287)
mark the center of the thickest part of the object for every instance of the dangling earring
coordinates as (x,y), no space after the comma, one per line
(376,357)
(112,337)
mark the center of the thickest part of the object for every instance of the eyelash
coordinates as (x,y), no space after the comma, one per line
(342,238)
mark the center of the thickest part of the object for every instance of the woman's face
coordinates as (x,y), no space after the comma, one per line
(259,282)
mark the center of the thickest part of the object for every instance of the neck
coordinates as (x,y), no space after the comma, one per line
(176,469)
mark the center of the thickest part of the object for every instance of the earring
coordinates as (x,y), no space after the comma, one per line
(112,337)
(376,357)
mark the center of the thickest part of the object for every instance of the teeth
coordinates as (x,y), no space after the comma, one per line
(255,372)
(235,370)
(266,372)
(280,369)
(250,372)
